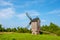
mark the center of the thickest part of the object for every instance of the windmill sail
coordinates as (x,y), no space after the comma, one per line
(28,25)
(28,16)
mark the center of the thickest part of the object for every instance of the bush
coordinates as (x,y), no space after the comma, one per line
(58,32)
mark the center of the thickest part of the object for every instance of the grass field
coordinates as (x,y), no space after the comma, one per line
(26,36)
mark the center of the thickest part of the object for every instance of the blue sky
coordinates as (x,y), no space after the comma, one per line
(12,12)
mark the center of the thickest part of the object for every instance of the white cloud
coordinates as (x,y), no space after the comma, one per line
(30,3)
(43,20)
(5,3)
(35,2)
(54,12)
(21,16)
(31,13)
(58,15)
(6,13)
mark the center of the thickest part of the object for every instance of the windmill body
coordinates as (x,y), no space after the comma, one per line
(35,25)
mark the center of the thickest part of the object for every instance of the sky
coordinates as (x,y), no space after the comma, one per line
(13,12)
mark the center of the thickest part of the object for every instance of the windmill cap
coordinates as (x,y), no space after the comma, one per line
(35,19)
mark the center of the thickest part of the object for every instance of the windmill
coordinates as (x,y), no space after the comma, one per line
(35,25)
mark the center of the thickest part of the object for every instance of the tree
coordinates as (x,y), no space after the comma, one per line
(58,32)
(19,30)
(13,30)
(53,28)
(8,30)
(0,28)
(44,28)
(23,30)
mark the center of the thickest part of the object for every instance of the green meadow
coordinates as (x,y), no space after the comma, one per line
(26,36)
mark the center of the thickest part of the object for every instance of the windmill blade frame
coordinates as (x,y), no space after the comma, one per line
(28,25)
(28,16)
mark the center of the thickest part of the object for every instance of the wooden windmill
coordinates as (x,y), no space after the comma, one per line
(35,25)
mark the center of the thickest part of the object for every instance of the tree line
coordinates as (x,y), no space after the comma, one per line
(53,28)
(18,29)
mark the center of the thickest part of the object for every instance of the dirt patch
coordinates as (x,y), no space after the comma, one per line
(6,33)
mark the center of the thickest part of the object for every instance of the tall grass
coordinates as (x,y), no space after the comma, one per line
(26,36)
